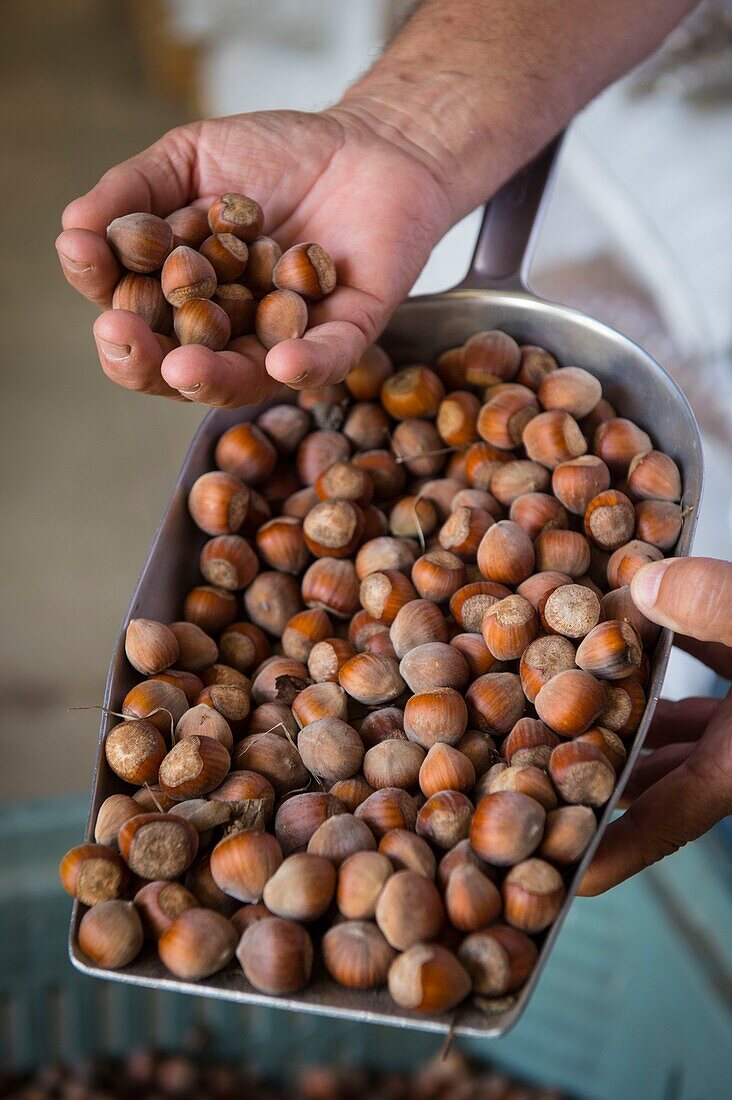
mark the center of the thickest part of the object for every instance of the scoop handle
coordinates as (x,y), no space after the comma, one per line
(511,223)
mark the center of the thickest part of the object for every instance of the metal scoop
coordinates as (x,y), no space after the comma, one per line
(492,296)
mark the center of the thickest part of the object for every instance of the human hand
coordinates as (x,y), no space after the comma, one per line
(376,206)
(684,787)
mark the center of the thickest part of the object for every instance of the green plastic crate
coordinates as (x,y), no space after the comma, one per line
(636,1000)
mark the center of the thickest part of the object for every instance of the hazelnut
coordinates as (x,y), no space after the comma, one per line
(463,530)
(111,933)
(570,702)
(140,241)
(533,893)
(582,773)
(155,701)
(471,899)
(246,452)
(625,704)
(480,749)
(571,389)
(553,437)
(618,604)
(608,743)
(437,576)
(237,214)
(389,808)
(317,452)
(495,702)
(440,492)
(413,517)
(189,225)
(150,646)
(571,610)
(158,846)
(459,856)
(618,441)
(303,631)
(659,523)
(506,554)
(577,482)
(197,651)
(529,744)
(352,792)
(393,763)
(276,956)
(434,664)
(383,554)
(243,862)
(333,528)
(188,275)
(227,255)
(192,768)
(249,795)
(199,881)
(625,562)
(327,657)
(502,419)
(562,552)
(273,717)
(478,657)
(299,504)
(412,392)
(482,461)
(203,815)
(340,837)
(361,878)
(542,660)
(567,834)
(142,295)
(428,978)
(526,779)
(201,321)
(299,817)
(332,585)
(94,873)
(301,888)
(113,812)
(489,357)
(388,477)
(436,715)
(408,852)
(160,903)
(151,798)
(357,955)
(417,444)
(198,944)
(211,609)
(520,478)
(307,269)
(499,959)
(536,364)
(507,827)
(470,603)
(417,623)
(285,425)
(229,562)
(609,519)
(456,418)
(249,914)
(445,818)
(611,650)
(343,481)
(509,625)
(366,426)
(365,380)
(653,475)
(330,749)
(537,512)
(281,315)
(449,367)
(206,721)
(218,503)
(134,751)
(371,679)
(271,600)
(539,585)
(409,910)
(281,543)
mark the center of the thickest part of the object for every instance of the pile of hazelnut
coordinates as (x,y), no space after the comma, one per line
(383,729)
(212,277)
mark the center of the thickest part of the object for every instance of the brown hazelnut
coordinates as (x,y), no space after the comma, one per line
(140,241)
(201,321)
(567,834)
(412,392)
(408,852)
(307,269)
(158,846)
(134,751)
(271,600)
(110,934)
(417,444)
(150,646)
(237,214)
(197,651)
(608,743)
(506,554)
(470,603)
(526,779)
(480,749)
(142,295)
(653,475)
(263,256)
(190,226)
(505,414)
(352,792)
(533,893)
(542,660)
(227,255)
(436,715)
(361,878)
(495,702)
(428,978)
(357,955)
(198,944)
(471,899)
(192,768)
(507,827)
(206,721)
(281,315)
(553,437)
(218,503)
(209,608)
(160,903)
(570,702)
(536,364)
(498,959)
(509,625)
(366,426)
(625,562)
(659,523)
(276,956)
(409,910)
(300,815)
(434,665)
(437,576)
(582,773)
(155,701)
(333,529)
(445,818)
(536,512)
(285,425)
(112,814)
(562,552)
(332,585)
(529,743)
(490,356)
(249,795)
(571,610)
(94,873)
(389,808)
(611,650)
(456,418)
(393,763)
(301,888)
(571,389)
(330,749)
(609,519)
(243,862)
(371,679)
(340,837)
(577,482)
(618,441)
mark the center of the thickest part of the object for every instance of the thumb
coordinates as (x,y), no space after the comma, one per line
(692,596)
(680,807)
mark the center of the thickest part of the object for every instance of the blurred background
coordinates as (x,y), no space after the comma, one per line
(638,233)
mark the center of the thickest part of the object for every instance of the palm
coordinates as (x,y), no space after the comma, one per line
(326,178)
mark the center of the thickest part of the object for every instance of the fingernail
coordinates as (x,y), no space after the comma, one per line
(189,392)
(646,583)
(116,352)
(300,378)
(73,265)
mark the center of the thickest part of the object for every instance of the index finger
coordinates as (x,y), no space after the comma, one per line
(692,596)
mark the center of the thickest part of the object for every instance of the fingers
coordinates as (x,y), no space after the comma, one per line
(343,326)
(679,807)
(155,181)
(680,720)
(130,353)
(649,769)
(690,595)
(226,379)
(89,265)
(714,655)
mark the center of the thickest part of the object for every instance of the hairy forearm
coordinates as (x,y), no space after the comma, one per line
(476,87)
